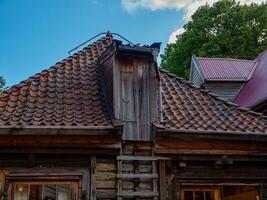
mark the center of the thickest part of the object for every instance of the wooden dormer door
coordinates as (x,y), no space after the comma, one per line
(136,97)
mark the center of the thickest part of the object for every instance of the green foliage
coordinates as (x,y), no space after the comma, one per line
(2,84)
(226,29)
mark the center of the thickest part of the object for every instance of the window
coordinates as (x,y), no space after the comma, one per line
(220,193)
(241,192)
(198,193)
(44,191)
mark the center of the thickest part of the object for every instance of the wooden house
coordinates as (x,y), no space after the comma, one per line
(240,81)
(222,76)
(106,123)
(253,95)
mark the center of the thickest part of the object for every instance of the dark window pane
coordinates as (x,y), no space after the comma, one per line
(64,192)
(209,195)
(188,195)
(50,191)
(199,195)
(35,192)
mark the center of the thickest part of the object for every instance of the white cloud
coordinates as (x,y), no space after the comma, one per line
(173,35)
(189,6)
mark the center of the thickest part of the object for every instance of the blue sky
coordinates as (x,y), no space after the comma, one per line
(35,34)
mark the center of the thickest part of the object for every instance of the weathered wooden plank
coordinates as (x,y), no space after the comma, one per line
(155,181)
(138,194)
(105,167)
(106,194)
(105,184)
(148,186)
(127,167)
(228,90)
(209,146)
(127,185)
(105,176)
(145,168)
(140,176)
(93,178)
(134,98)
(162,179)
(141,158)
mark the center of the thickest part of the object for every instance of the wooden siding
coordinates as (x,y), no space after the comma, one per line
(227,90)
(136,96)
(108,79)
(195,74)
(105,178)
(106,67)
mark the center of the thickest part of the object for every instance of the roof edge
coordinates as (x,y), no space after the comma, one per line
(230,59)
(61,130)
(207,134)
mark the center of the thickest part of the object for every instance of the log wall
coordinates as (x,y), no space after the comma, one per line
(105,178)
(179,173)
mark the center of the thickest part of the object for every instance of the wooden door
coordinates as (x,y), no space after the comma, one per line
(135,105)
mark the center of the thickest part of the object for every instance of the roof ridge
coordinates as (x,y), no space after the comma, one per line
(229,59)
(55,66)
(213,95)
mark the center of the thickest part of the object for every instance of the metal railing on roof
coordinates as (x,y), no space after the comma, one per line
(94,37)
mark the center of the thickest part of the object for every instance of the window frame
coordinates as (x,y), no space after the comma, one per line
(216,190)
(13,181)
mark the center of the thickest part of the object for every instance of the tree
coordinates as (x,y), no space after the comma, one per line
(225,29)
(2,84)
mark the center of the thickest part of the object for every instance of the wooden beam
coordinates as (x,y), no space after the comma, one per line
(60,130)
(196,146)
(59,140)
(140,176)
(138,194)
(140,158)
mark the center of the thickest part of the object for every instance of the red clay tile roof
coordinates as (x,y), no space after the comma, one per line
(226,69)
(187,107)
(255,90)
(67,94)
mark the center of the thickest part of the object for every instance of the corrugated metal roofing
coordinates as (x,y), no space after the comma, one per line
(222,69)
(255,90)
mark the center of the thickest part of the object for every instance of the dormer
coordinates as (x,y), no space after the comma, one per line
(132,84)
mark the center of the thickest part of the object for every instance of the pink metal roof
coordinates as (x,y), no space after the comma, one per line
(255,90)
(223,69)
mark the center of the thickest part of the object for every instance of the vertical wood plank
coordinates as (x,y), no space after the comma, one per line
(136,93)
(119,181)
(155,181)
(162,179)
(177,189)
(116,88)
(93,178)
